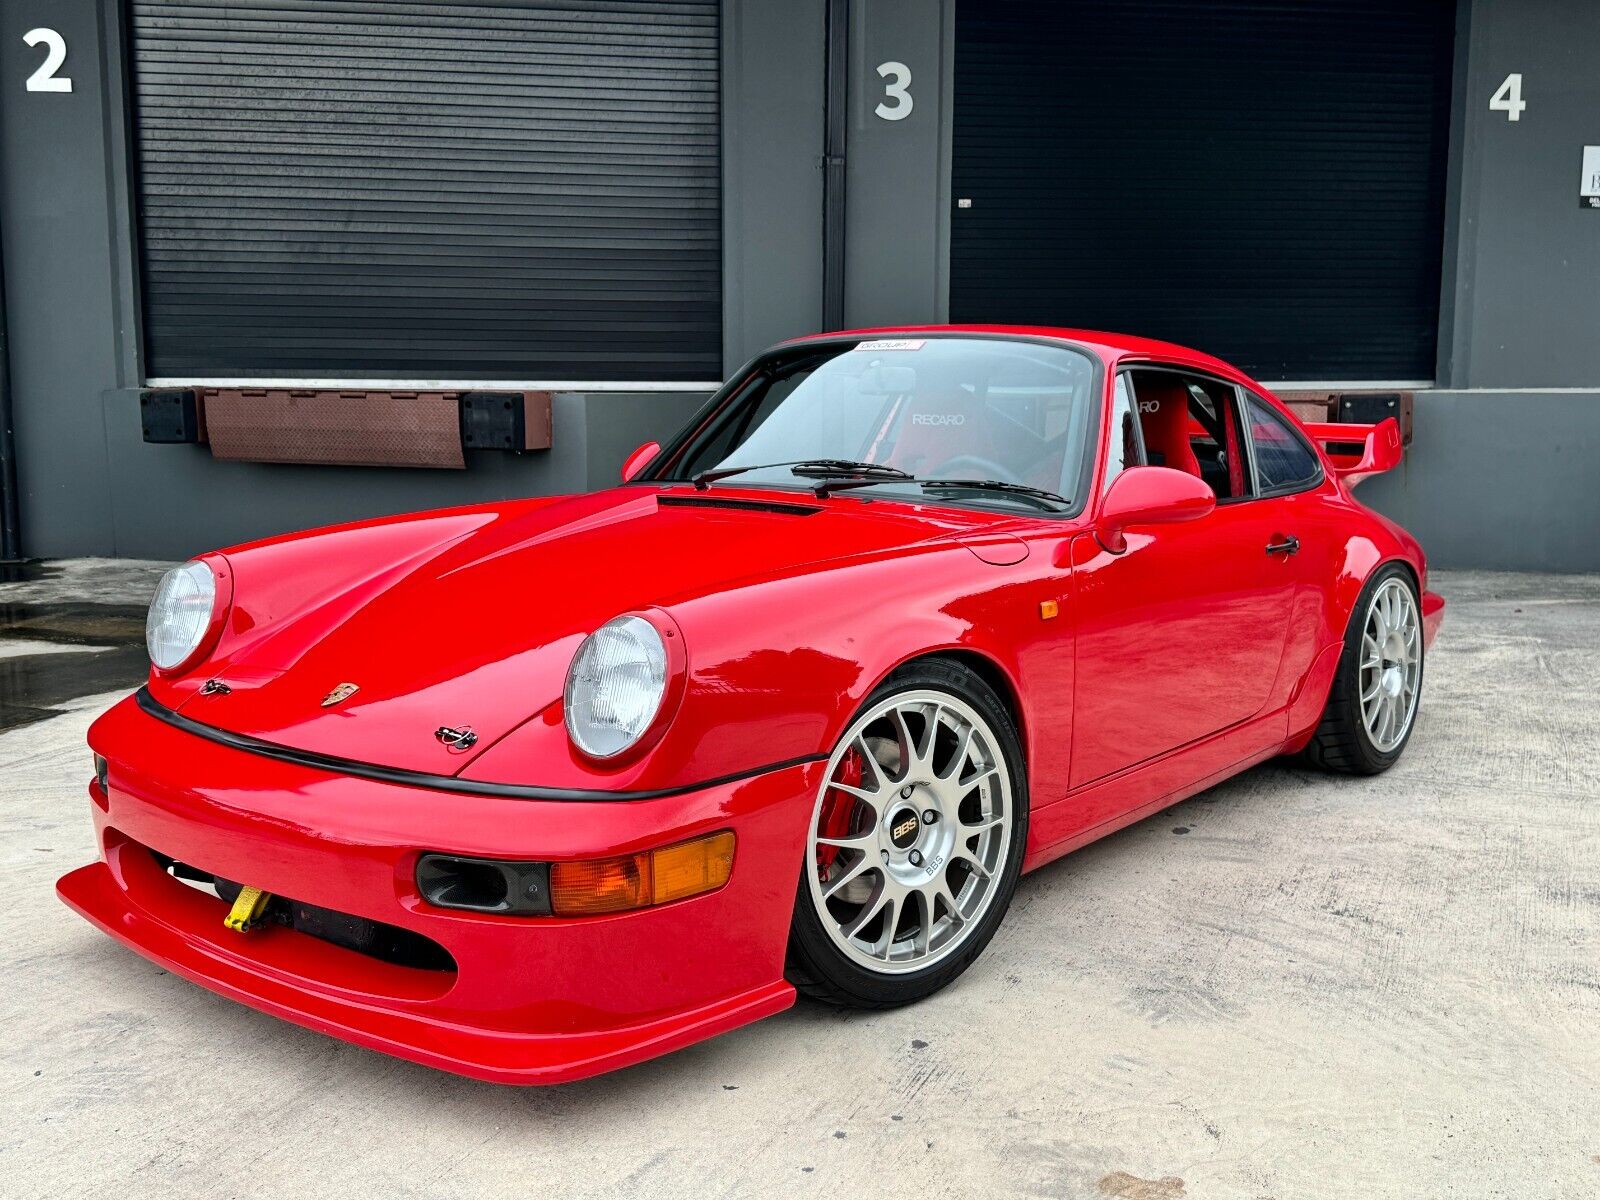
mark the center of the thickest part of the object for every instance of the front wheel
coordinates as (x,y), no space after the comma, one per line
(1373,703)
(915,844)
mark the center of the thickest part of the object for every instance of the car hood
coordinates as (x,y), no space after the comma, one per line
(477,629)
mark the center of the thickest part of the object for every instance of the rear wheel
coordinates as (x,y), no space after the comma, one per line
(915,843)
(1373,703)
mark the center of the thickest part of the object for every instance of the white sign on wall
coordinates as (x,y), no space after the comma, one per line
(1589,193)
(45,78)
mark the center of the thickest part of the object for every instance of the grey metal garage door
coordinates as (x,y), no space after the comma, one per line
(494,190)
(1257,178)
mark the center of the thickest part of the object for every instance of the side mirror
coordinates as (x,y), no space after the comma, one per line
(639,460)
(1150,496)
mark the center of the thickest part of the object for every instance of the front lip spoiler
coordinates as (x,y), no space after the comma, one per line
(422,779)
(496,1056)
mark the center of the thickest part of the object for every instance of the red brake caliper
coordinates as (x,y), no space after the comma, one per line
(837,809)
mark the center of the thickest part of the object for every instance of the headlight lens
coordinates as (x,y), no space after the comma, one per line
(180,614)
(615,686)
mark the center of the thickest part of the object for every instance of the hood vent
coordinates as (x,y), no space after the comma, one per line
(674,500)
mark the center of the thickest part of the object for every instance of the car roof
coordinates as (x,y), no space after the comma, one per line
(1111,347)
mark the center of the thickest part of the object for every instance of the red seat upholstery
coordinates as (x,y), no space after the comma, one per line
(937,428)
(1164,420)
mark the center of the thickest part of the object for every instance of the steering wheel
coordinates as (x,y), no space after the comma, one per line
(972,466)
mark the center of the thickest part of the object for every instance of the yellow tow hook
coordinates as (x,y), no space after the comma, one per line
(247,909)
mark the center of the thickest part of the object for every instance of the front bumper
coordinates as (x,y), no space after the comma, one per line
(531,999)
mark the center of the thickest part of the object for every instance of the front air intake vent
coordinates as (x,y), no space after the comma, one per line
(771,506)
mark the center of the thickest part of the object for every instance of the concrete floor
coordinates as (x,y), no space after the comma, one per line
(1290,986)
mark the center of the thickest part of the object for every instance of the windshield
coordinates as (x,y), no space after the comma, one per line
(967,408)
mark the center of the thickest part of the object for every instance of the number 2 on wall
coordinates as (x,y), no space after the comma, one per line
(898,89)
(45,78)
(1509,98)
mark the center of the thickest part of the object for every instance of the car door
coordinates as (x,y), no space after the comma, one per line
(1182,634)
(1307,519)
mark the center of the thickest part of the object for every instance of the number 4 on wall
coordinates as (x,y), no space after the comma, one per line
(1509,98)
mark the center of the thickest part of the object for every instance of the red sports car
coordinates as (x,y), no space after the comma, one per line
(533,790)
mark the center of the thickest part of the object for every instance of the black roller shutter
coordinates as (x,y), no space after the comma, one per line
(494,190)
(1260,179)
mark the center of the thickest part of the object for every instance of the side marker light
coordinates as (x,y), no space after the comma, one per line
(629,881)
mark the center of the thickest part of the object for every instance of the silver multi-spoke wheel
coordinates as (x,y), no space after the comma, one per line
(1372,703)
(911,831)
(1391,664)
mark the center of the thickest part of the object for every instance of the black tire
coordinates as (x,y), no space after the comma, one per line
(1341,743)
(816,965)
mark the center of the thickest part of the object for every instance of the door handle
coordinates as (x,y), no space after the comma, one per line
(1289,545)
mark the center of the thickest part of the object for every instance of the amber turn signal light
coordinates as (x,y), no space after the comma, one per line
(609,885)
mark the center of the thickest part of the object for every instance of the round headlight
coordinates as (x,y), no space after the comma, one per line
(180,614)
(615,686)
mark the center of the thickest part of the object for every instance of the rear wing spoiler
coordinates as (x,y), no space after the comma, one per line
(1358,451)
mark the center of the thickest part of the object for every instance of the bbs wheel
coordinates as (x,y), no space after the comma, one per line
(915,843)
(1373,703)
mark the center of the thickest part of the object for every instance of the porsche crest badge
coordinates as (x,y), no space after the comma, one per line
(339,694)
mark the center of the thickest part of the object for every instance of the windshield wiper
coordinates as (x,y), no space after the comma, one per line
(995,485)
(1037,496)
(833,468)
(843,474)
(825,468)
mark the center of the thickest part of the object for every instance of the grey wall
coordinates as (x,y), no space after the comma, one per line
(1526,300)
(1495,478)
(88,484)
(772,89)
(1506,477)
(1509,480)
(61,277)
(897,205)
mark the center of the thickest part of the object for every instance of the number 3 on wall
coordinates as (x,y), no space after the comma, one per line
(898,89)
(1509,98)
(45,78)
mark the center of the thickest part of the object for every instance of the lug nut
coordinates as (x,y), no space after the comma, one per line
(916,858)
(929,817)
(885,854)
(905,792)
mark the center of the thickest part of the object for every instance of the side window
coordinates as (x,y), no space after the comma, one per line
(1284,463)
(1123,451)
(1215,438)
(1190,423)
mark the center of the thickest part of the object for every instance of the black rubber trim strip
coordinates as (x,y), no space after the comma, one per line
(439,783)
(680,500)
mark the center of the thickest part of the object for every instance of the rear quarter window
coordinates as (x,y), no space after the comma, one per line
(1283,461)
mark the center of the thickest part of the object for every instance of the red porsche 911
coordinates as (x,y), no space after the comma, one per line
(533,790)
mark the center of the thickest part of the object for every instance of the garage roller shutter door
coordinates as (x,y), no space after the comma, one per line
(366,190)
(1261,180)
